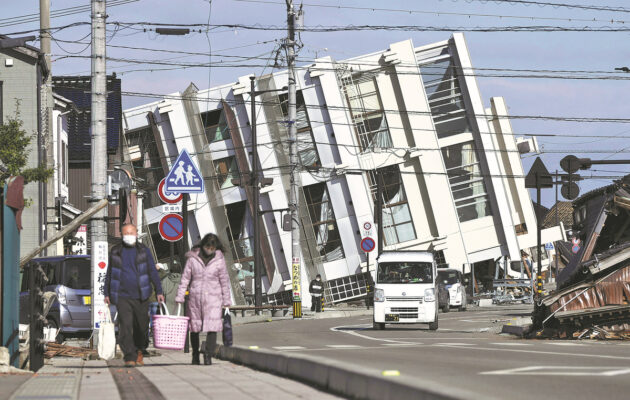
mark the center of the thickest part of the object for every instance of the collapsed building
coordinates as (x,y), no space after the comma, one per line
(410,119)
(594,287)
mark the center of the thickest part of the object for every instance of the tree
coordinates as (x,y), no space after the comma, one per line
(14,152)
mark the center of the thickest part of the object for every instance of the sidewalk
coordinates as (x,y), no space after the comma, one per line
(169,376)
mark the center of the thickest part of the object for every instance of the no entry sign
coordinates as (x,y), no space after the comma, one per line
(168,197)
(172,227)
(368,244)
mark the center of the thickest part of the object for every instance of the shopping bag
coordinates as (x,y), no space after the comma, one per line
(107,337)
(227,330)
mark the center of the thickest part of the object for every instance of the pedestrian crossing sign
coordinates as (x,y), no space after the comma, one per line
(184,177)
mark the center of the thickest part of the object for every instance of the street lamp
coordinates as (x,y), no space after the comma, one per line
(253,180)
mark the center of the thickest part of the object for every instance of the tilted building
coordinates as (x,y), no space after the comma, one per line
(410,119)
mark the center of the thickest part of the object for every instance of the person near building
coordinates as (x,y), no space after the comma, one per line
(128,283)
(206,278)
(317,289)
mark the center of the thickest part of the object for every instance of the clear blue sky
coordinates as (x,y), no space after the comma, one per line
(592,51)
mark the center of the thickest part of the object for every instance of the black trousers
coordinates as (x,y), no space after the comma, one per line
(316,303)
(211,343)
(133,326)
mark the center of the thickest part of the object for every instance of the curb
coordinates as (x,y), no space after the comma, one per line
(340,378)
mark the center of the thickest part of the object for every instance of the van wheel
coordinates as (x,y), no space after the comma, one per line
(433,326)
(378,326)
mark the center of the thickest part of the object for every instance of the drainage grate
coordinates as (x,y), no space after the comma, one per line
(132,384)
(48,387)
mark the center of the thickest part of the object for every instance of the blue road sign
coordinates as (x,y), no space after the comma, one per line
(548,246)
(171,227)
(184,177)
(368,244)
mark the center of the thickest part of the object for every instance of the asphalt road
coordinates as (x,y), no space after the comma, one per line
(465,352)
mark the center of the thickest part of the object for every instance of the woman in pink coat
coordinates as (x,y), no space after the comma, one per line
(209,293)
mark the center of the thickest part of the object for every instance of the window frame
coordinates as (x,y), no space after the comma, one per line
(311,206)
(232,171)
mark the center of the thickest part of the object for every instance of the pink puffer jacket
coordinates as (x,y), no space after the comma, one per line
(209,291)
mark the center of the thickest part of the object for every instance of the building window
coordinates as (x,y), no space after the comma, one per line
(466,181)
(226,170)
(215,126)
(324,222)
(445,98)
(367,112)
(307,152)
(146,162)
(397,223)
(440,260)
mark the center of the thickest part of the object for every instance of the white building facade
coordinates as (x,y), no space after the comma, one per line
(410,119)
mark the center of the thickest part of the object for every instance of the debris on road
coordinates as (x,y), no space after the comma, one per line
(54,350)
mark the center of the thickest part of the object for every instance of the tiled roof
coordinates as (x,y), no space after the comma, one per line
(77,89)
(565,215)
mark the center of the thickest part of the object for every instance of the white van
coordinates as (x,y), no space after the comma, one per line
(405,291)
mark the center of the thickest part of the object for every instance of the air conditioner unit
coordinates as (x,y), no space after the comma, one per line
(527,145)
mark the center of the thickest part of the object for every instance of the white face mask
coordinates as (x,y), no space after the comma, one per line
(129,240)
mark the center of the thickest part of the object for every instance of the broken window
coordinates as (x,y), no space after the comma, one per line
(215,126)
(226,170)
(146,162)
(307,152)
(397,223)
(445,98)
(324,222)
(367,113)
(466,181)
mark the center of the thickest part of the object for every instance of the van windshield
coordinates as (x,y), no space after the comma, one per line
(76,273)
(405,272)
(448,277)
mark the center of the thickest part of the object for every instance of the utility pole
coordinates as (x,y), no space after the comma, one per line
(98,233)
(255,201)
(47,189)
(293,162)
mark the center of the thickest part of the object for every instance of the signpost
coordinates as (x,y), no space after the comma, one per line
(100,262)
(171,227)
(184,176)
(538,178)
(168,197)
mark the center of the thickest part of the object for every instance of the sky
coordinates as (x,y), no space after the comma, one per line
(550,96)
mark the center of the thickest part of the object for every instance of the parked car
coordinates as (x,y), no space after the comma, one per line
(70,278)
(451,289)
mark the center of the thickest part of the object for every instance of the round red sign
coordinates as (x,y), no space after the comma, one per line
(168,197)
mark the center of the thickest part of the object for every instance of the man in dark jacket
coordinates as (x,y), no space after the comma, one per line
(316,288)
(128,285)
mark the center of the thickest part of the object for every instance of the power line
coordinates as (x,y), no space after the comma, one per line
(558,5)
(438,13)
(63,12)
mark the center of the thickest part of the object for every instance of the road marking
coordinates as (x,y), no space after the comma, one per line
(357,334)
(562,370)
(512,344)
(565,344)
(289,348)
(453,344)
(553,353)
(343,346)
(400,344)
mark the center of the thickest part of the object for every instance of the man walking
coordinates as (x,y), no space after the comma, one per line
(128,286)
(316,288)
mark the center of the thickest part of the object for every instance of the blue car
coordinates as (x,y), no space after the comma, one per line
(70,278)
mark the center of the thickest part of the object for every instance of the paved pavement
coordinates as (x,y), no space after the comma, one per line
(466,352)
(170,374)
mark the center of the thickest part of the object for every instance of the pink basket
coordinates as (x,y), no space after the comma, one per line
(169,331)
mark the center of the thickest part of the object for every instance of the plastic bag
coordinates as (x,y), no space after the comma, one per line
(227,330)
(107,337)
